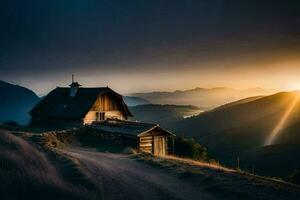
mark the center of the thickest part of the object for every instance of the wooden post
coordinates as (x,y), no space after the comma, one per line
(138,144)
(238,163)
(153,145)
(173,143)
(166,145)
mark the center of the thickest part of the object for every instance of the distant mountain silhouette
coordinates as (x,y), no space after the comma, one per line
(240,129)
(15,102)
(134,101)
(202,97)
(163,114)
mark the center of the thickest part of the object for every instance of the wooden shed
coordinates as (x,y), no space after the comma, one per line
(150,138)
(155,141)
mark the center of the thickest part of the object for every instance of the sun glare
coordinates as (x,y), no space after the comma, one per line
(294,86)
(278,128)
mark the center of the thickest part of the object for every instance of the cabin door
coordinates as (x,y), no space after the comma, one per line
(159,146)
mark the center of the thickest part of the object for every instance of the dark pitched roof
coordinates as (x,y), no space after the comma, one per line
(59,104)
(128,127)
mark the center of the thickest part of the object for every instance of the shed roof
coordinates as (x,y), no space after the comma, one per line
(129,127)
(59,104)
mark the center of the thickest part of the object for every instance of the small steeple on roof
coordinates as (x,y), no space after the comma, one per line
(74,84)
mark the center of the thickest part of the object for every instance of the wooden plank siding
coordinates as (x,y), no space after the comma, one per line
(107,102)
(146,143)
(159,148)
(156,144)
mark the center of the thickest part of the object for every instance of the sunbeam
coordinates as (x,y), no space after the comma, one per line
(278,128)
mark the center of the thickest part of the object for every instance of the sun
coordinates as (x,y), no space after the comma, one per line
(294,86)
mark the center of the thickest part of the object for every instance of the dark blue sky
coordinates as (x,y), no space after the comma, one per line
(103,41)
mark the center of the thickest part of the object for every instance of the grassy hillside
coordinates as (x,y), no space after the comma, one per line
(241,130)
(223,182)
(54,165)
(16,102)
(241,114)
(241,101)
(27,173)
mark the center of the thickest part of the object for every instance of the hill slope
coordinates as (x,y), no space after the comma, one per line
(27,173)
(120,176)
(242,129)
(163,114)
(134,101)
(16,102)
(239,114)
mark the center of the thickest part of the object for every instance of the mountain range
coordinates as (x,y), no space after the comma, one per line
(202,97)
(16,102)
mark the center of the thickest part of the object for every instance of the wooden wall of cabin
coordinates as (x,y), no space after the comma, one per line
(91,116)
(156,145)
(160,145)
(108,103)
(146,144)
(155,142)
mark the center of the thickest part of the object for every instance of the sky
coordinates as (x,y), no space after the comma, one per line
(135,46)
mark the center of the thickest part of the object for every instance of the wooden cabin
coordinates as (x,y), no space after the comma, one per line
(103,110)
(145,137)
(76,105)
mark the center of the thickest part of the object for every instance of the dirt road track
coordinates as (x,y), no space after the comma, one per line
(119,177)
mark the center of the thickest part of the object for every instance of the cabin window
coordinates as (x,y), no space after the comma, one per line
(100,116)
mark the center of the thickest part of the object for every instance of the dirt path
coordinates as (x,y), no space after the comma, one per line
(120,177)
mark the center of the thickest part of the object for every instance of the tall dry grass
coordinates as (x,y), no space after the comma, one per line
(26,173)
